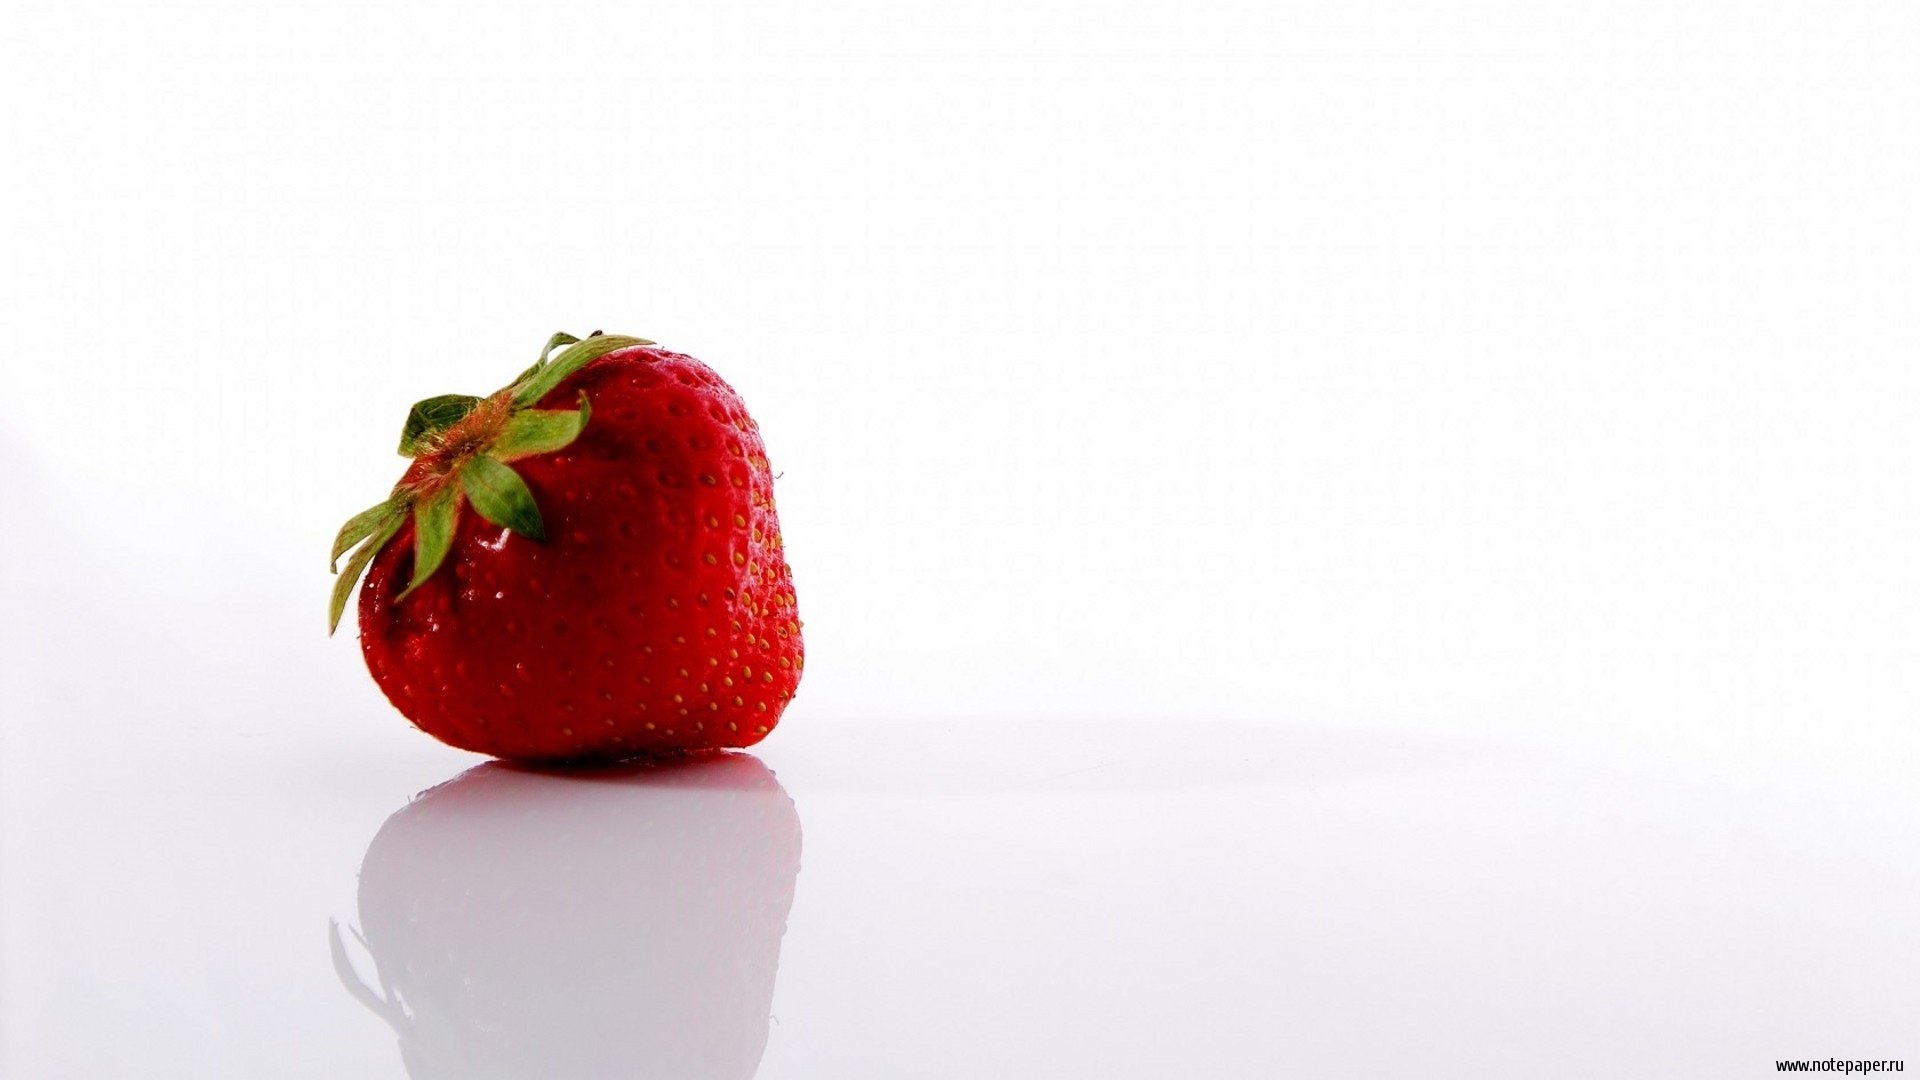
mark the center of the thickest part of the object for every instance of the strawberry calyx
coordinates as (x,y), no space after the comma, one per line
(461,446)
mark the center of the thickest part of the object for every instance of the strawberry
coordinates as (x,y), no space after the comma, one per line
(619,922)
(584,565)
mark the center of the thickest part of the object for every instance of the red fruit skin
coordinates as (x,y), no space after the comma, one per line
(657,616)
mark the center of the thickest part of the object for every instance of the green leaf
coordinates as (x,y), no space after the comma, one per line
(554,342)
(358,528)
(357,565)
(536,386)
(501,497)
(539,431)
(432,415)
(433,523)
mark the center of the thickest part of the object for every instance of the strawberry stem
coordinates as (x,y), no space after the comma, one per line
(459,444)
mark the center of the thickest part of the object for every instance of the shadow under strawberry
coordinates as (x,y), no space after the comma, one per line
(623,921)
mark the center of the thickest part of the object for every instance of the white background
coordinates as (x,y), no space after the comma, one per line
(1535,378)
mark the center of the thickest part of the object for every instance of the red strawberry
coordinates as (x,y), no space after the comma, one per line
(584,565)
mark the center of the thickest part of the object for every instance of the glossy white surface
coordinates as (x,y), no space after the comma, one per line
(992,898)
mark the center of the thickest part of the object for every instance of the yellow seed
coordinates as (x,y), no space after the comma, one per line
(740,520)
(711,561)
(731,726)
(737,700)
(763,706)
(677,699)
(737,558)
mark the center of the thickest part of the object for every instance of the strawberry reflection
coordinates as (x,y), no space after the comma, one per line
(621,922)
